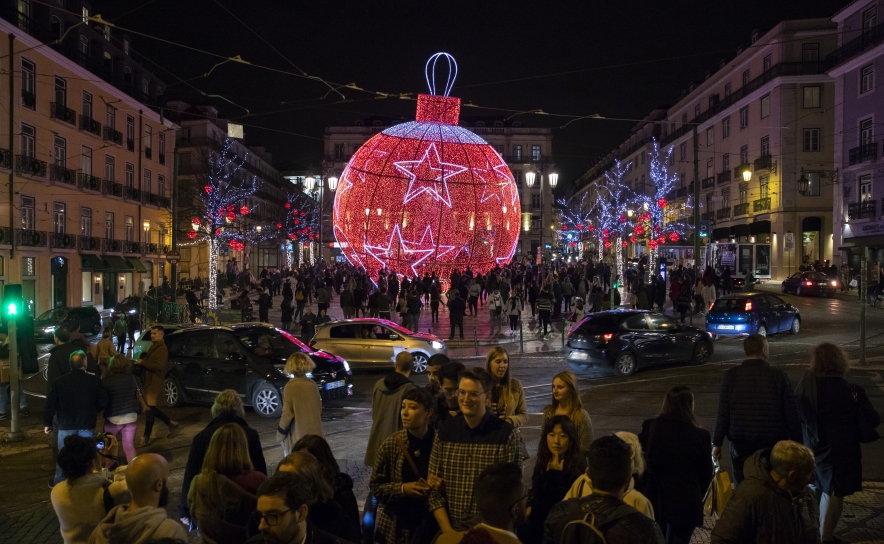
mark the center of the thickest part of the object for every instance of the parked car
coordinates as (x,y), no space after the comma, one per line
(130,306)
(810,283)
(143,343)
(627,340)
(375,343)
(752,313)
(204,361)
(86,318)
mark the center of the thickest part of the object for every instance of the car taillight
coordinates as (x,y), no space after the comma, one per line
(607,337)
(834,283)
(748,306)
(808,283)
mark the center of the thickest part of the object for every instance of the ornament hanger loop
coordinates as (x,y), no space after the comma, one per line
(430,72)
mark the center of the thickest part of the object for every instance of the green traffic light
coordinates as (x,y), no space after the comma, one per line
(12,309)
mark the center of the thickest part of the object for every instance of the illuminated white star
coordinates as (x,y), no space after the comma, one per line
(429,175)
(440,250)
(384,254)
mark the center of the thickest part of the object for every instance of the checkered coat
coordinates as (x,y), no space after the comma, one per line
(386,485)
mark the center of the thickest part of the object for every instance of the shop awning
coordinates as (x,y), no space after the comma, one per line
(91,263)
(116,264)
(760,227)
(740,230)
(137,265)
(719,233)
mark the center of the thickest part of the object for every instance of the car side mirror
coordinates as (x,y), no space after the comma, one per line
(233,357)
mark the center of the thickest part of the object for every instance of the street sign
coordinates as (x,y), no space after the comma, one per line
(704,228)
(173,257)
(789,244)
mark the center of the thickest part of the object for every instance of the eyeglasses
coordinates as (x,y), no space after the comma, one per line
(272,519)
(472,395)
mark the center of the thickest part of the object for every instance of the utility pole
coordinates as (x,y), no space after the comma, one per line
(696,198)
(12,308)
(175,225)
(11,144)
(862,284)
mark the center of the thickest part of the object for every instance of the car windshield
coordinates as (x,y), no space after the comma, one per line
(729,305)
(130,300)
(52,315)
(281,344)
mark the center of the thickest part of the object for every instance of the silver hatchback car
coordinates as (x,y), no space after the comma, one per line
(375,343)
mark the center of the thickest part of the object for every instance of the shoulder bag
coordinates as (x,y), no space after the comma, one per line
(866,417)
(139,393)
(426,528)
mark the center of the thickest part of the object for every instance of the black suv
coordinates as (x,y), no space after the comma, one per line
(206,360)
(85,317)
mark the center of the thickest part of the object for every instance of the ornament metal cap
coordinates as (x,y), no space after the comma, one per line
(434,108)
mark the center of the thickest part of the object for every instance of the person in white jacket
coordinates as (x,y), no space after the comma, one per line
(495,308)
(514,309)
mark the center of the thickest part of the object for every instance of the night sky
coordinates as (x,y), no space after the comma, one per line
(616,59)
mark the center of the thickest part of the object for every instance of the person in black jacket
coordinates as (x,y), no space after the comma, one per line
(341,482)
(456,310)
(75,399)
(121,413)
(228,408)
(679,470)
(756,408)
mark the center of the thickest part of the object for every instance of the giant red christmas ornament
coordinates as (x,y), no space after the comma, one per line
(445,198)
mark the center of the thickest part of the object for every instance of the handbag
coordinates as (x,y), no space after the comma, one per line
(719,492)
(853,283)
(142,401)
(865,421)
(427,527)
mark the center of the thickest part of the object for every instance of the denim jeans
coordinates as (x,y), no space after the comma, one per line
(5,398)
(85,433)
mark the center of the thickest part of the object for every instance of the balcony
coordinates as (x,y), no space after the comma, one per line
(90,125)
(62,241)
(738,171)
(88,181)
(131,193)
(62,113)
(113,136)
(707,183)
(113,246)
(863,153)
(707,216)
(741,209)
(150,199)
(6,235)
(147,152)
(30,238)
(62,174)
(855,47)
(89,243)
(117,190)
(131,247)
(29,100)
(30,166)
(763,163)
(862,210)
(724,213)
(724,177)
(761,205)
(162,158)
(165,202)
(130,144)
(5,159)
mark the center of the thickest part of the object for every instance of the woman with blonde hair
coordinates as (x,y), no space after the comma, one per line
(223,495)
(507,395)
(301,404)
(325,513)
(566,402)
(831,408)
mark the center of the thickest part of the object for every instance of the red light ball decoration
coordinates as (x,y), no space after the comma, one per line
(633,239)
(625,244)
(191,234)
(674,237)
(661,239)
(288,205)
(573,244)
(623,219)
(207,188)
(244,210)
(652,244)
(580,227)
(662,203)
(591,228)
(639,230)
(231,216)
(448,199)
(605,232)
(279,225)
(564,227)
(607,245)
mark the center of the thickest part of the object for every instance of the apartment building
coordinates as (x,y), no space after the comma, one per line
(525,149)
(86,213)
(857,67)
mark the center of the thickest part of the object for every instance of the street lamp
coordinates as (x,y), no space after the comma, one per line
(309,183)
(747,175)
(332,183)
(553,180)
(802,183)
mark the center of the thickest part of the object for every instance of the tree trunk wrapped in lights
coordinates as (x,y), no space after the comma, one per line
(613,201)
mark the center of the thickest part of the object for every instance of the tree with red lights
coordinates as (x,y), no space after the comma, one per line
(301,221)
(613,224)
(576,221)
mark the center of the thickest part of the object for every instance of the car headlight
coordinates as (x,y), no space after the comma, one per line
(50,329)
(346,365)
(308,375)
(437,345)
(133,310)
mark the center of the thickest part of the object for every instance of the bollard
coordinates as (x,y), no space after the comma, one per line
(476,340)
(564,324)
(521,340)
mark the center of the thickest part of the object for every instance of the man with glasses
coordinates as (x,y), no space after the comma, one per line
(283,513)
(464,446)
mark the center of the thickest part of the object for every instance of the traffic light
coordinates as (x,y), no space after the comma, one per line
(704,228)
(12,301)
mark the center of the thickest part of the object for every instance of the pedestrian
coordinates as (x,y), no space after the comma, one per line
(610,472)
(300,300)
(120,329)
(400,477)
(684,296)
(556,468)
(386,403)
(532,298)
(227,408)
(121,413)
(264,303)
(132,325)
(308,324)
(830,408)
(323,318)
(456,310)
(774,503)
(287,310)
(222,496)
(402,308)
(756,407)
(507,395)
(679,465)
(435,298)
(245,306)
(514,312)
(301,403)
(103,351)
(579,309)
(323,297)
(192,304)
(325,513)
(75,400)
(341,482)
(475,435)
(727,281)
(566,402)
(144,518)
(414,310)
(598,294)
(475,291)
(347,303)
(287,289)
(544,308)
(155,363)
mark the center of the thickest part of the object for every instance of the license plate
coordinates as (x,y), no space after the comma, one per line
(334,385)
(726,327)
(821,284)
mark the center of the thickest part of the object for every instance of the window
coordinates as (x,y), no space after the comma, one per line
(87,105)
(869,19)
(725,127)
(765,106)
(768,60)
(343,331)
(636,323)
(535,224)
(813,184)
(127,75)
(110,117)
(710,136)
(727,90)
(130,228)
(339,151)
(725,162)
(109,225)
(696,111)
(684,118)
(865,188)
(746,78)
(764,186)
(161,185)
(145,184)
(535,202)
(85,13)
(812,96)
(710,168)
(54,27)
(85,221)
(61,92)
(28,212)
(110,167)
(83,48)
(865,131)
(535,152)
(148,140)
(145,233)
(130,175)
(162,143)
(517,152)
(744,154)
(810,52)
(744,193)
(725,198)
(765,146)
(58,217)
(670,158)
(130,132)
(867,79)
(60,151)
(683,151)
(811,139)
(744,117)
(517,177)
(86,161)
(28,84)
(145,87)
(28,134)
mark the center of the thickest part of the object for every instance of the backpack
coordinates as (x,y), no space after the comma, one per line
(585,531)
(299,295)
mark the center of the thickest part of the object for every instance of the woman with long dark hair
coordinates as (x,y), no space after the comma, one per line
(341,482)
(507,395)
(679,465)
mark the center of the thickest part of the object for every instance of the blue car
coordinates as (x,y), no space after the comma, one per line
(752,313)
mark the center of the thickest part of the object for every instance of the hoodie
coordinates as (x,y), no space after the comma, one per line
(386,405)
(122,526)
(762,512)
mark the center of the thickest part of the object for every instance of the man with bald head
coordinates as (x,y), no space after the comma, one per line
(144,518)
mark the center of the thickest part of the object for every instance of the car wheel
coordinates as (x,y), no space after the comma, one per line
(796,325)
(624,364)
(420,363)
(702,353)
(96,329)
(173,392)
(783,287)
(762,330)
(266,400)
